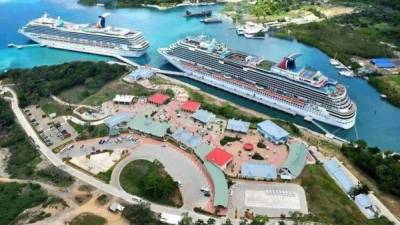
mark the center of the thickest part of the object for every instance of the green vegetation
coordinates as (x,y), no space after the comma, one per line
(357,34)
(89,131)
(56,176)
(53,200)
(384,169)
(103,199)
(140,214)
(226,139)
(330,205)
(15,198)
(265,64)
(116,87)
(289,127)
(150,181)
(88,219)
(41,82)
(271,10)
(24,157)
(257,156)
(48,106)
(388,85)
(105,176)
(261,144)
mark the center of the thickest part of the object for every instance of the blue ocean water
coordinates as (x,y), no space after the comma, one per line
(377,121)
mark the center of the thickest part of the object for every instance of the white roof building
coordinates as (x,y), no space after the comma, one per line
(116,206)
(123,99)
(170,218)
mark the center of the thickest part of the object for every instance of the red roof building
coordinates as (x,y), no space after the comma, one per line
(158,99)
(190,106)
(219,157)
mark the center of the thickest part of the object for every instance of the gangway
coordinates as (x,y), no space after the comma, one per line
(169,72)
(11,45)
(125,60)
(319,126)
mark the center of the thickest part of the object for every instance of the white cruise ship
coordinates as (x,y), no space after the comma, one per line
(297,91)
(95,39)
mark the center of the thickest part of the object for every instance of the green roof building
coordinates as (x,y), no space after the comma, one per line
(221,195)
(295,162)
(148,126)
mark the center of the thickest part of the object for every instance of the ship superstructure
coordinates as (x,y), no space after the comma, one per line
(298,91)
(90,38)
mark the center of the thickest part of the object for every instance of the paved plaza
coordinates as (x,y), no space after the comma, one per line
(271,199)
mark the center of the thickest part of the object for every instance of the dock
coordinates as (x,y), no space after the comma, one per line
(131,63)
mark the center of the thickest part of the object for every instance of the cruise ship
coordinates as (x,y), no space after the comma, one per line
(283,86)
(89,38)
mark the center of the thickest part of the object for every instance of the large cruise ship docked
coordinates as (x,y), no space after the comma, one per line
(95,39)
(283,86)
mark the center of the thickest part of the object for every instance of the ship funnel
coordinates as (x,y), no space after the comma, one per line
(102,20)
(289,62)
(101,23)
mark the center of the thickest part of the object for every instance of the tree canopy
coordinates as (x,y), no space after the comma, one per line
(140,214)
(43,81)
(384,168)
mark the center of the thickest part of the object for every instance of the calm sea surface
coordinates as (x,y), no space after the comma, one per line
(378,122)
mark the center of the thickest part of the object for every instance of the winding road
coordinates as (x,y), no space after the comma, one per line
(180,167)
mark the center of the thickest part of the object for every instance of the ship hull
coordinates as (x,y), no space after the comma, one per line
(84,48)
(306,112)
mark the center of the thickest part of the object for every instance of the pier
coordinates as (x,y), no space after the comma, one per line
(129,62)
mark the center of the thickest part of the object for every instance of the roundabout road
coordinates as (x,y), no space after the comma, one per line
(177,164)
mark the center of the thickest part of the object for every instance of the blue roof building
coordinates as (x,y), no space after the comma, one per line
(364,203)
(141,72)
(273,132)
(259,171)
(187,138)
(383,63)
(204,116)
(238,126)
(336,171)
(117,122)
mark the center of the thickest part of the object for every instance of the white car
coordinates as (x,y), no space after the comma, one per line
(205,190)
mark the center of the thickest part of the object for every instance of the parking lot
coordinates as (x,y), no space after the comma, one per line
(271,199)
(53,131)
(88,147)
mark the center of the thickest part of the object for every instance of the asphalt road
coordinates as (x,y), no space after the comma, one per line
(180,167)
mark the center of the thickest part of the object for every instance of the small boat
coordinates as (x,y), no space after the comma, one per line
(211,20)
(346,73)
(334,62)
(383,96)
(206,13)
(252,30)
